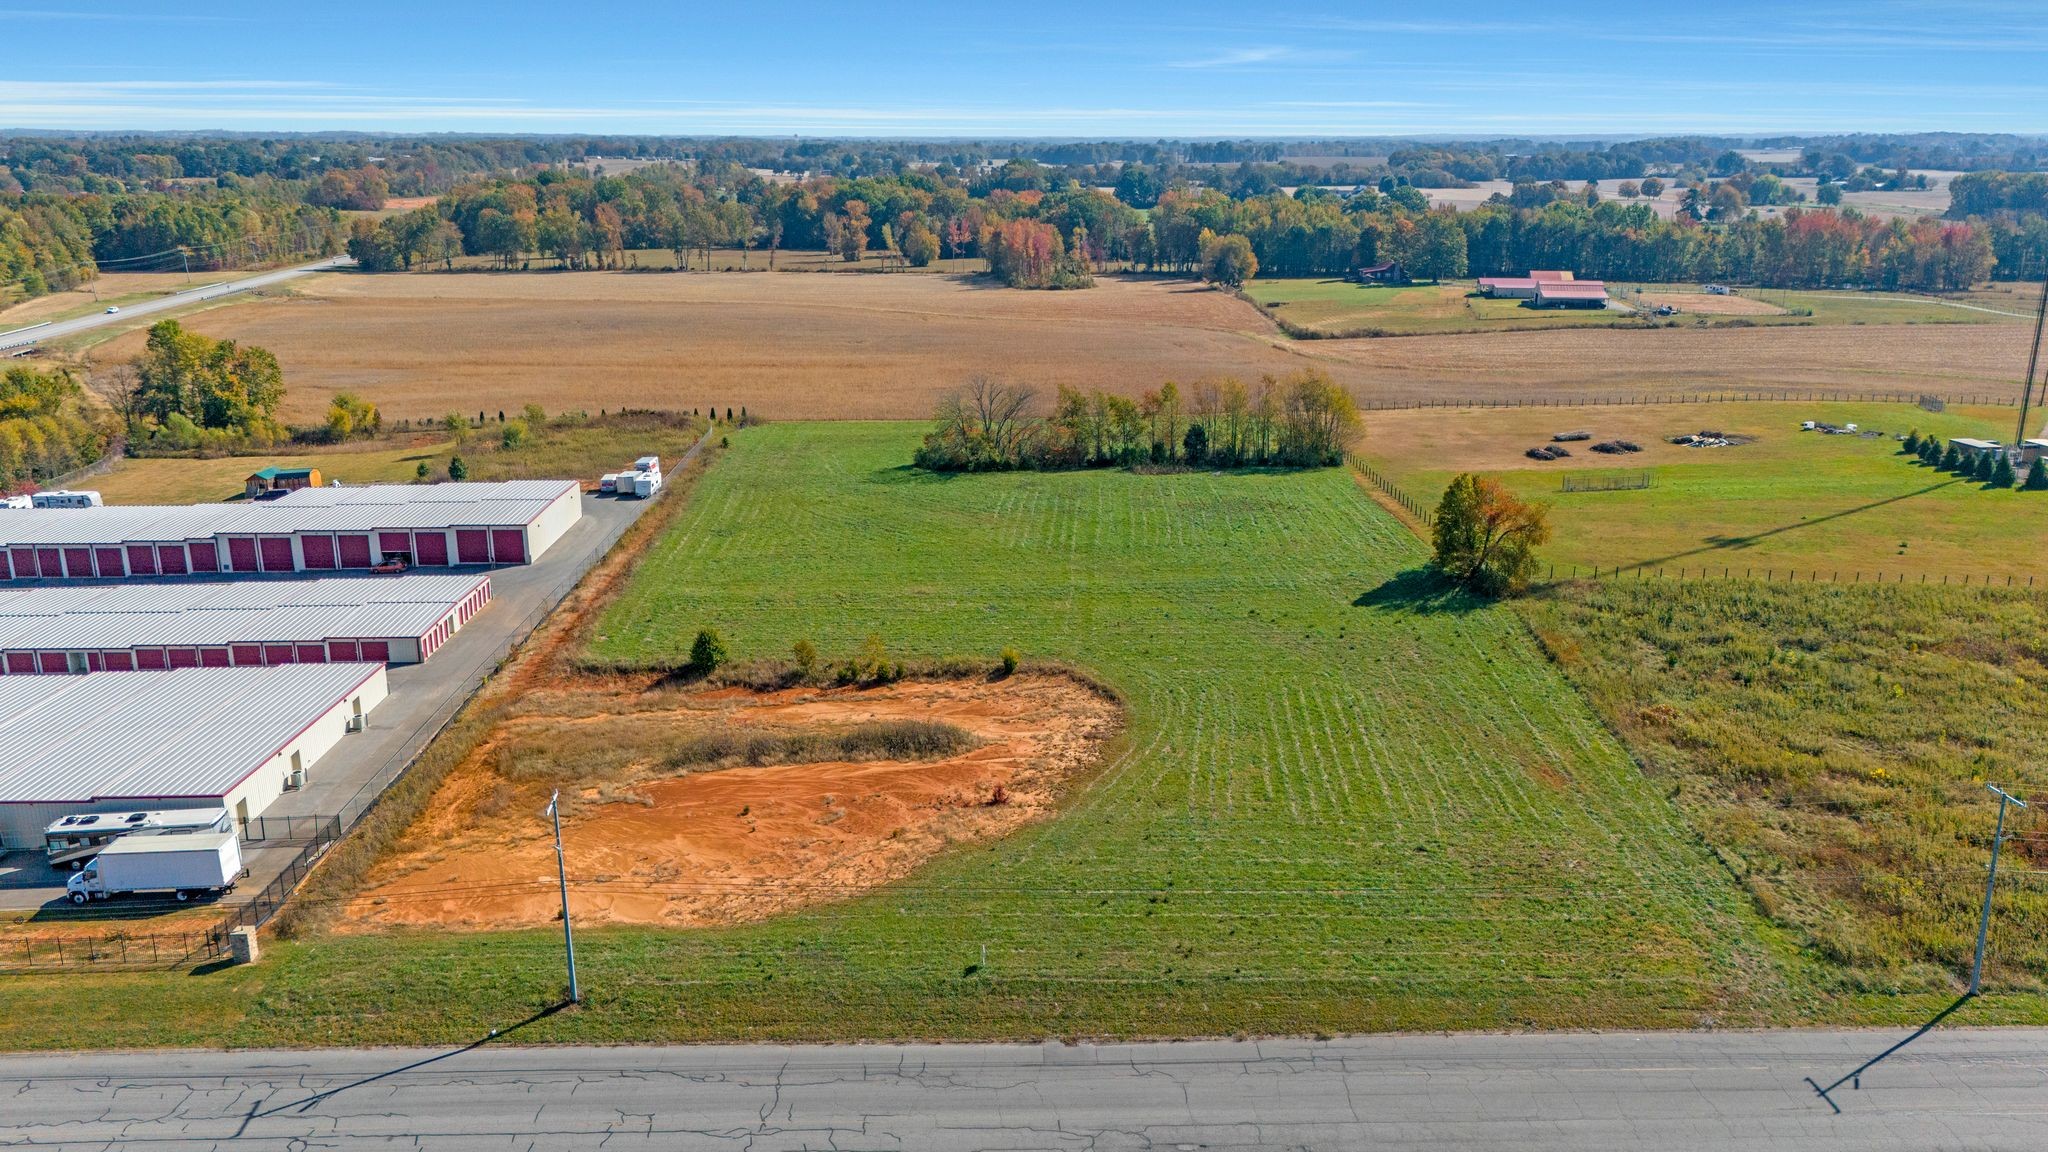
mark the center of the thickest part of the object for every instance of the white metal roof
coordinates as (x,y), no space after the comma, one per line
(146,736)
(112,616)
(500,504)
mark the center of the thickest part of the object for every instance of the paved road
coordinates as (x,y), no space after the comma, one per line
(21,337)
(1964,1089)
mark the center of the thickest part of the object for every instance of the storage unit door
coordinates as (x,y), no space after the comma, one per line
(430,548)
(355,551)
(277,554)
(205,556)
(119,661)
(94,663)
(142,559)
(21,663)
(319,551)
(241,554)
(377,650)
(341,650)
(214,658)
(184,657)
(312,653)
(245,654)
(54,662)
(472,546)
(108,561)
(508,545)
(24,562)
(6,566)
(170,559)
(77,562)
(149,659)
(394,544)
(277,654)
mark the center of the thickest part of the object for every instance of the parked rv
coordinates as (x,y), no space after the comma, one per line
(70,841)
(184,867)
(85,499)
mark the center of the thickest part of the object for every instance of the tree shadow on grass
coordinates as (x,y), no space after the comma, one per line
(1419,592)
(911,474)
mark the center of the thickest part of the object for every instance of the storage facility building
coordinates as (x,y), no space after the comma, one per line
(234,738)
(1571,294)
(1520,287)
(220,624)
(308,530)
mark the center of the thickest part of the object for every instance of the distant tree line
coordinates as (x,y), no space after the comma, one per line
(1303,421)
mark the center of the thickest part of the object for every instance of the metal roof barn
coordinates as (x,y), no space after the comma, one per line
(310,529)
(122,627)
(234,738)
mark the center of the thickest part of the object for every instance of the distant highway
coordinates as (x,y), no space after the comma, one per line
(41,333)
(1973,1089)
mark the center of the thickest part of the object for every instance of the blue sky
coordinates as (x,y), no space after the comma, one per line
(1052,68)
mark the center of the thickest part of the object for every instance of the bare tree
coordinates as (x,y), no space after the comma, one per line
(1001,410)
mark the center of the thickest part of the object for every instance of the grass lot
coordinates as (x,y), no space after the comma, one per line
(1788,500)
(1845,307)
(572,449)
(1340,804)
(1338,308)
(1833,744)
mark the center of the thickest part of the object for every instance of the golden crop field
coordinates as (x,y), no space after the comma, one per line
(790,346)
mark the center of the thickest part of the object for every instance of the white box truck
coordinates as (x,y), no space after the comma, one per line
(185,866)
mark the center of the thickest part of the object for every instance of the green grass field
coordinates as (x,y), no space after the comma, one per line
(1845,307)
(1789,500)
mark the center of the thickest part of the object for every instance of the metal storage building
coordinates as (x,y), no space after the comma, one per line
(234,738)
(216,624)
(309,530)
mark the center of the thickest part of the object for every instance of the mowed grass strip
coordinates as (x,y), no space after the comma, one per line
(1335,807)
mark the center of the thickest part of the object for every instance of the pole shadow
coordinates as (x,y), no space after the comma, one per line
(1854,1077)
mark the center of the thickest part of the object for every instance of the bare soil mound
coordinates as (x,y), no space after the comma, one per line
(648,846)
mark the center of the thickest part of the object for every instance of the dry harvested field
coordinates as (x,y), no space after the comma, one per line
(847,347)
(111,288)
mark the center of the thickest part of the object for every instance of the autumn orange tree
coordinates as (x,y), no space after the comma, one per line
(1486,538)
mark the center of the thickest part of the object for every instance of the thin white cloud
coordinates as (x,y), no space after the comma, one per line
(1269,54)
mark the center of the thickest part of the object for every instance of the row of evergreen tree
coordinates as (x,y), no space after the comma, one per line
(1990,468)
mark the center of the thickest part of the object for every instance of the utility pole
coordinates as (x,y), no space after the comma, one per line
(562,873)
(2033,360)
(1991,879)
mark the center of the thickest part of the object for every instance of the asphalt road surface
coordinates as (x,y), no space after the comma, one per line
(22,337)
(1582,1093)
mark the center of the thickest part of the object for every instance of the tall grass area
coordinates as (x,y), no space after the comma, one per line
(1833,743)
(1341,803)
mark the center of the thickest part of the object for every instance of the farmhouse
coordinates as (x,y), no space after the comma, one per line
(306,530)
(1570,294)
(1389,273)
(1519,287)
(234,738)
(266,481)
(140,627)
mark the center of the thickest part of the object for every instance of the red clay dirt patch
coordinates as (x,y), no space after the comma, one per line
(725,845)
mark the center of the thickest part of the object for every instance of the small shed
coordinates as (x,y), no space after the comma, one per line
(275,479)
(1972,448)
(1388,273)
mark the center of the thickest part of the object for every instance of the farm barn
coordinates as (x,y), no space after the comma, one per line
(307,530)
(234,738)
(142,627)
(1571,294)
(1519,287)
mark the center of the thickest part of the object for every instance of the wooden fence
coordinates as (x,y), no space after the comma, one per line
(1775,575)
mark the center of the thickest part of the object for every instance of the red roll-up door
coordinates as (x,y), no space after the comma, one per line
(6,566)
(214,658)
(241,554)
(341,650)
(245,654)
(184,657)
(430,548)
(205,556)
(319,551)
(277,654)
(355,551)
(472,546)
(77,562)
(50,561)
(376,650)
(170,559)
(394,543)
(24,562)
(142,559)
(120,661)
(149,659)
(508,546)
(93,663)
(53,662)
(21,663)
(108,561)
(277,554)
(312,653)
